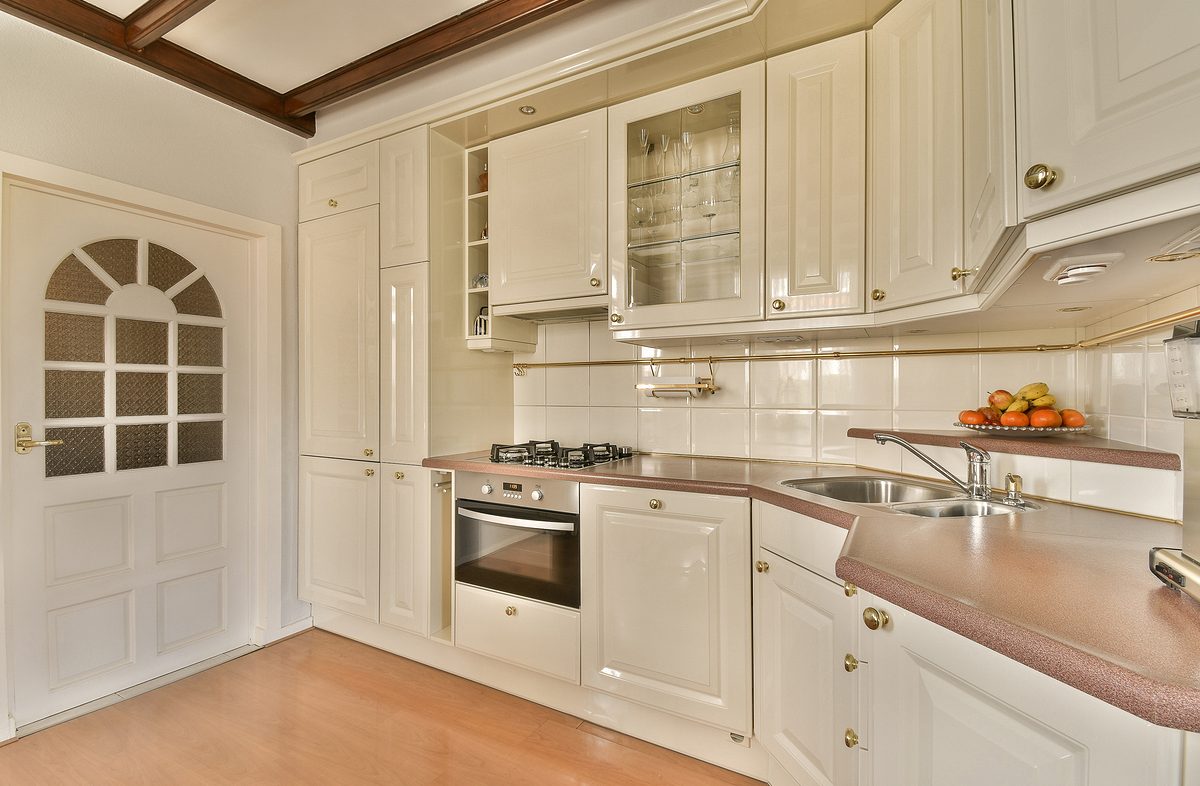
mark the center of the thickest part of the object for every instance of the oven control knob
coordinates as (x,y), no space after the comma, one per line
(538,495)
(487,488)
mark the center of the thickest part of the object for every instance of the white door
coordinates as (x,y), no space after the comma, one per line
(547,213)
(126,336)
(404,364)
(405,535)
(1108,95)
(665,611)
(404,198)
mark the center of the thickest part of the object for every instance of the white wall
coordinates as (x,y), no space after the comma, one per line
(65,104)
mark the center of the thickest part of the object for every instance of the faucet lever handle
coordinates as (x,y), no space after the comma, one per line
(975,453)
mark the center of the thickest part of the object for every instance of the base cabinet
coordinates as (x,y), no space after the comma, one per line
(405,553)
(665,609)
(518,630)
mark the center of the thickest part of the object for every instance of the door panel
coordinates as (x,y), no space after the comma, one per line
(405,529)
(404,339)
(344,181)
(404,198)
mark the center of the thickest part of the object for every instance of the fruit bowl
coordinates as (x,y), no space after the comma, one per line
(1025,431)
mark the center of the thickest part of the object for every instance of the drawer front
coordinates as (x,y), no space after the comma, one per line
(341,182)
(522,632)
(813,544)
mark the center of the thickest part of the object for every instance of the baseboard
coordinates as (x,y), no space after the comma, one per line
(264,636)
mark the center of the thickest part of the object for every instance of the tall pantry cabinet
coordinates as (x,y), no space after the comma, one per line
(379,285)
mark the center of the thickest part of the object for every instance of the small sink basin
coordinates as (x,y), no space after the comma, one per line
(871,490)
(950,508)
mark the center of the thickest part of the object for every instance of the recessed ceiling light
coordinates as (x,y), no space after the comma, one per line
(1177,257)
(919,330)
(733,340)
(696,109)
(527,109)
(1073,309)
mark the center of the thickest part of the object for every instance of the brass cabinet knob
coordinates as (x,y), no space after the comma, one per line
(510,611)
(850,589)
(616,319)
(851,738)
(399,476)
(655,504)
(762,567)
(959,273)
(333,203)
(594,282)
(368,452)
(878,295)
(778,304)
(875,619)
(850,662)
(370,473)
(1039,176)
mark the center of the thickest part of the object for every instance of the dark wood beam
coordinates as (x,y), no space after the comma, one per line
(470,28)
(93,27)
(156,18)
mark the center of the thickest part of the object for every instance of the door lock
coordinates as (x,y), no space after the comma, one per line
(23,441)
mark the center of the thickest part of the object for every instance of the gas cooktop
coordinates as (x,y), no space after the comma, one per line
(548,453)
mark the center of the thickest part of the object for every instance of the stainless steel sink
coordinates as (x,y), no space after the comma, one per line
(868,490)
(949,508)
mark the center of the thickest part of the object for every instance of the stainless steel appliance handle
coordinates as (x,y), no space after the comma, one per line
(508,521)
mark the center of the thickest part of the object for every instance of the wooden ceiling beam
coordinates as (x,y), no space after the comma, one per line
(156,18)
(93,27)
(470,28)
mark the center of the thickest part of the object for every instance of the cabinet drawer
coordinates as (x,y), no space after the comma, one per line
(523,632)
(343,181)
(813,544)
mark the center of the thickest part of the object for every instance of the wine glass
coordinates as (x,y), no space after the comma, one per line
(646,145)
(686,140)
(733,139)
(710,197)
(663,149)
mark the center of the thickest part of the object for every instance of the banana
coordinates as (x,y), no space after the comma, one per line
(1018,405)
(1033,390)
(1045,401)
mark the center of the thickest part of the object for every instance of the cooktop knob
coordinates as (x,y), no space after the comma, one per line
(538,495)
(487,488)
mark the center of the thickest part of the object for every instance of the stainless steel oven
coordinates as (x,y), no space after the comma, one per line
(518,535)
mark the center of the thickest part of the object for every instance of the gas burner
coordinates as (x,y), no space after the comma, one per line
(529,453)
(549,454)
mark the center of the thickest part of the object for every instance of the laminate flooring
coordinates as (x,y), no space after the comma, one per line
(321,709)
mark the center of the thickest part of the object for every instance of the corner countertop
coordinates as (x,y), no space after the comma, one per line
(1065,590)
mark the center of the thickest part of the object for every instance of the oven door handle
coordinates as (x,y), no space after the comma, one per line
(508,521)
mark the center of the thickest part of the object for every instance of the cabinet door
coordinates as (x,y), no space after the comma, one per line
(404,555)
(339,335)
(916,153)
(404,364)
(665,607)
(816,185)
(1108,95)
(404,198)
(339,535)
(989,132)
(546,212)
(339,183)
(947,711)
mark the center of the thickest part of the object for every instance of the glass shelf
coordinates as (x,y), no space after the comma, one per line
(705,236)
(680,176)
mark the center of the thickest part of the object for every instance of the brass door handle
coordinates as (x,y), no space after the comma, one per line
(778,304)
(875,619)
(1039,176)
(616,319)
(594,282)
(510,611)
(850,662)
(958,273)
(370,473)
(762,567)
(399,476)
(850,589)
(878,295)
(368,452)
(333,203)
(655,504)
(23,441)
(851,738)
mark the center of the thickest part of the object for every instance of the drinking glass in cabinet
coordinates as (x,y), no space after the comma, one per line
(713,130)
(711,202)
(711,268)
(654,212)
(655,275)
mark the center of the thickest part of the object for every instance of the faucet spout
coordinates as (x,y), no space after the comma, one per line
(975,486)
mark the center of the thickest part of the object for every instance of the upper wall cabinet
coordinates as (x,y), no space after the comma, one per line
(343,181)
(404,198)
(685,197)
(1108,96)
(547,214)
(916,181)
(816,184)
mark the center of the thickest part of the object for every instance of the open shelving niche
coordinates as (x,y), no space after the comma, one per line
(504,334)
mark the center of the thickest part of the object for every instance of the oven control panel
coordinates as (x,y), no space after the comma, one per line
(540,493)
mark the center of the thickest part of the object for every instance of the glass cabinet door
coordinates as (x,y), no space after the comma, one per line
(686,245)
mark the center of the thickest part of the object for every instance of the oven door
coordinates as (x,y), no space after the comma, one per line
(530,553)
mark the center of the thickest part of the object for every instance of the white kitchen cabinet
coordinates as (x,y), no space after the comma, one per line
(816,183)
(665,609)
(405,547)
(947,711)
(338,183)
(339,535)
(1108,95)
(989,132)
(916,138)
(339,335)
(518,630)
(404,364)
(547,213)
(686,218)
(404,197)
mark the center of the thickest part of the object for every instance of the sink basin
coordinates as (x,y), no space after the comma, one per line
(948,508)
(871,490)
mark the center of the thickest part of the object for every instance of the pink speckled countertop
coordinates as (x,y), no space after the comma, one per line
(1065,590)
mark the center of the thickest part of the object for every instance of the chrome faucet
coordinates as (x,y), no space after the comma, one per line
(978,460)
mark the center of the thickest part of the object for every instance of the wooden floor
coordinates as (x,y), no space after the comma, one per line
(318,708)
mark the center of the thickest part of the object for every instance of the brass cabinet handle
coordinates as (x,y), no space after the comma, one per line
(1039,176)
(762,567)
(778,304)
(850,589)
(850,662)
(370,473)
(878,295)
(399,476)
(510,611)
(594,282)
(655,504)
(368,452)
(333,203)
(851,738)
(958,273)
(23,441)
(875,619)
(616,319)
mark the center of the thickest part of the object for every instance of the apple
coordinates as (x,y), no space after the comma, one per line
(991,414)
(1001,399)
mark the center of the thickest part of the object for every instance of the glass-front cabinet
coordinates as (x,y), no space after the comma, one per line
(685,207)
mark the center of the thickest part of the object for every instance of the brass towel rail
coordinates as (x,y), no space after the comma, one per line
(520,369)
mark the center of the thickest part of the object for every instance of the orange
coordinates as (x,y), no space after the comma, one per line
(1047,418)
(1073,418)
(971,417)
(1014,419)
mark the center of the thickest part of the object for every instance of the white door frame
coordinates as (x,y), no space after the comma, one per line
(266,400)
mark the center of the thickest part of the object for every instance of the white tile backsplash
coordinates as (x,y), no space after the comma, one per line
(568,425)
(855,383)
(783,384)
(664,430)
(568,387)
(617,425)
(721,432)
(783,434)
